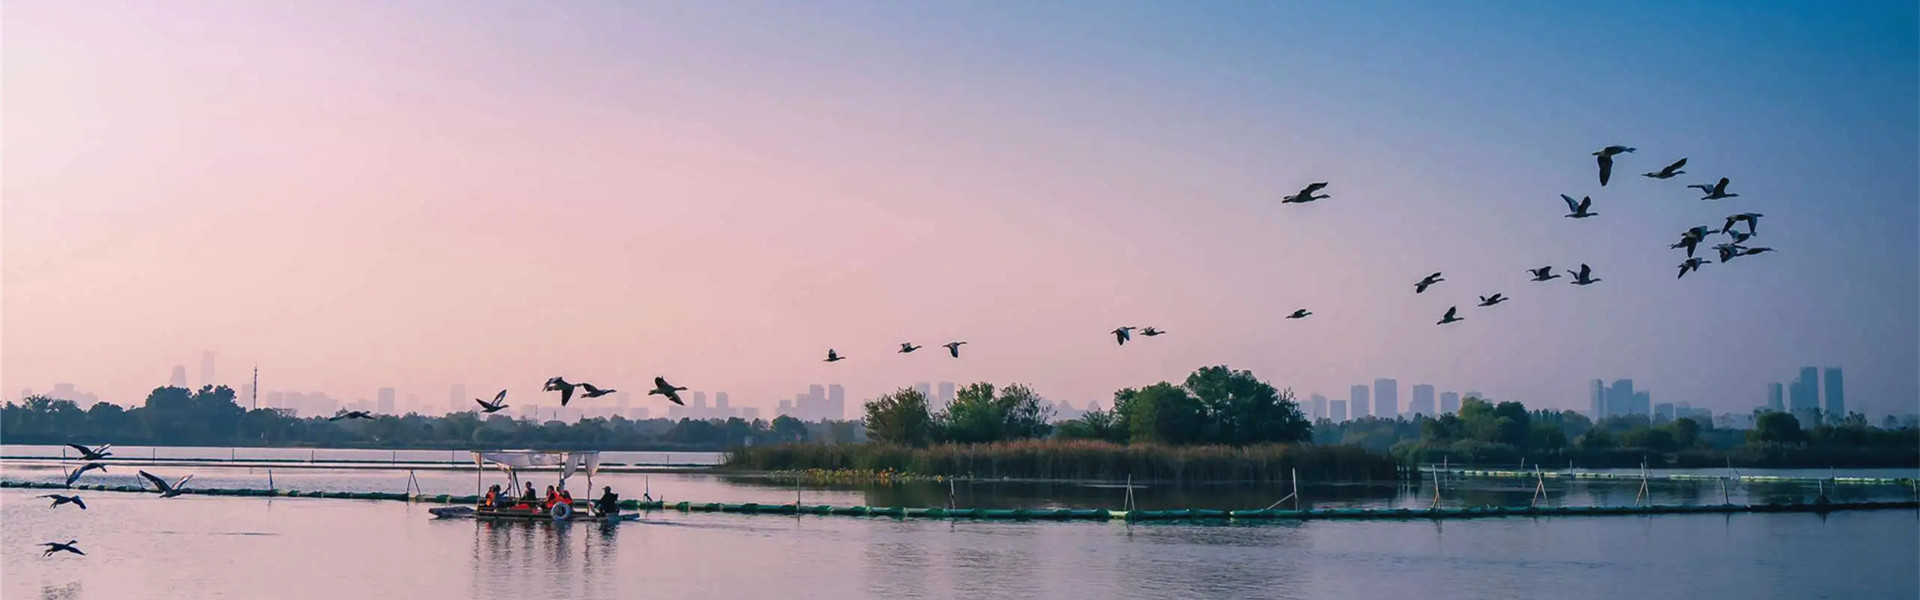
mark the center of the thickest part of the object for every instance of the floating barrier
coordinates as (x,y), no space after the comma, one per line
(1075,514)
(1626,476)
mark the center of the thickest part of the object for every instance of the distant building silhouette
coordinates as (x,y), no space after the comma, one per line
(1422,402)
(66,391)
(1836,400)
(1359,402)
(1776,398)
(1482,397)
(946,395)
(836,407)
(925,389)
(1596,400)
(1803,396)
(1662,412)
(1449,403)
(179,378)
(1643,403)
(1386,398)
(1316,407)
(1337,410)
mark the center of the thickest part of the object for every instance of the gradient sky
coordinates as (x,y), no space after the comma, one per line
(416,194)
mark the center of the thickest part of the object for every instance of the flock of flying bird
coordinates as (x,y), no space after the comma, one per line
(1690,240)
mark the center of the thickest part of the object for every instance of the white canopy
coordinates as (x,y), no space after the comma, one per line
(568,460)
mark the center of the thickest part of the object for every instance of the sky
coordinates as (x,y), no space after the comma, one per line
(364,194)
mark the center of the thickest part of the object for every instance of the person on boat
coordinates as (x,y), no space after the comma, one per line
(528,497)
(565,497)
(609,502)
(552,498)
(493,497)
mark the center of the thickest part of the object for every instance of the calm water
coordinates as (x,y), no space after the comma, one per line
(141,546)
(336,454)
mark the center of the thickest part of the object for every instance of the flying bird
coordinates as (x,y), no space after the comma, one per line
(1579,208)
(75,475)
(167,490)
(92,453)
(906,347)
(53,547)
(1670,171)
(662,388)
(1692,264)
(1584,277)
(1752,219)
(1759,250)
(1689,241)
(352,414)
(1543,273)
(594,392)
(499,403)
(1492,300)
(1450,317)
(1123,334)
(1606,161)
(1300,314)
(1714,192)
(953,348)
(1739,237)
(834,356)
(1306,195)
(1727,252)
(59,500)
(1150,332)
(1427,282)
(560,384)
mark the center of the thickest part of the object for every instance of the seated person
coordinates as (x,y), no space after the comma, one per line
(552,498)
(566,497)
(528,497)
(609,502)
(492,498)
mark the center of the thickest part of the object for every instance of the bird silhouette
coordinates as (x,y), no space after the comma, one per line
(1758,250)
(1689,241)
(1670,171)
(1151,332)
(1739,237)
(1123,334)
(1306,195)
(352,414)
(953,348)
(167,490)
(1300,314)
(1752,219)
(594,392)
(1714,192)
(75,475)
(1727,252)
(834,356)
(1579,208)
(1605,158)
(1584,277)
(1427,282)
(92,453)
(1692,264)
(662,388)
(1492,300)
(499,403)
(53,547)
(1450,316)
(560,384)
(906,347)
(1543,273)
(59,500)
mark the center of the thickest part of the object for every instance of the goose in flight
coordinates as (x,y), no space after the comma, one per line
(1692,264)
(1714,192)
(53,547)
(1579,208)
(1669,172)
(1123,334)
(1496,298)
(906,347)
(75,475)
(1759,250)
(1752,219)
(59,500)
(594,392)
(1584,277)
(1543,273)
(1739,237)
(1450,316)
(92,453)
(1150,332)
(560,384)
(167,490)
(1306,195)
(834,356)
(662,388)
(1300,314)
(1727,252)
(1688,241)
(352,414)
(499,403)
(1606,161)
(1427,282)
(953,348)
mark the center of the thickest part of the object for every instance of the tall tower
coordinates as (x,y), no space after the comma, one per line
(1358,402)
(179,378)
(1386,398)
(1836,404)
(1776,398)
(1422,403)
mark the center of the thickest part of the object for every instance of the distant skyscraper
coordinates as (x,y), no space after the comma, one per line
(206,368)
(1662,411)
(1597,400)
(700,402)
(179,378)
(836,402)
(925,389)
(1359,402)
(1316,407)
(384,404)
(1643,403)
(1803,397)
(946,394)
(1337,410)
(720,401)
(1422,403)
(1386,398)
(1776,398)
(1620,398)
(1836,400)
(1449,403)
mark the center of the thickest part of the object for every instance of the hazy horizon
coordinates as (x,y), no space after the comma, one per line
(365,195)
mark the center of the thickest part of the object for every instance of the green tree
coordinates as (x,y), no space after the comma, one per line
(789,429)
(1028,416)
(900,418)
(1240,409)
(974,417)
(1777,428)
(1164,413)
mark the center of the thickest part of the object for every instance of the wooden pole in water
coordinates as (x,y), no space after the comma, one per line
(1725,497)
(1296,489)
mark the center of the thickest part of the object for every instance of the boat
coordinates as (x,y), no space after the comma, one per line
(511,462)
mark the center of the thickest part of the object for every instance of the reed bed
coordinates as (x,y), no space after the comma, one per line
(1075,460)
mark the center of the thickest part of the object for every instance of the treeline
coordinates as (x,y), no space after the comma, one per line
(1507,433)
(1057,459)
(210,417)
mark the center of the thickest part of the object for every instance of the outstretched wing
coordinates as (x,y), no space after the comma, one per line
(182,483)
(1572,206)
(497,398)
(1606,168)
(157,482)
(1675,166)
(84,451)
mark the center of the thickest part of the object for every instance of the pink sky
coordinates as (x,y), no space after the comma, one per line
(365,198)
